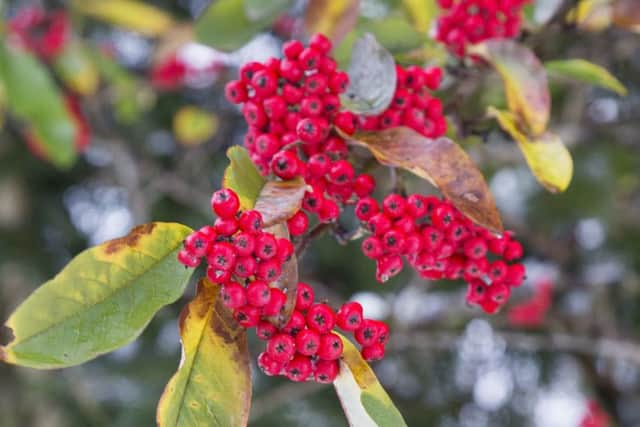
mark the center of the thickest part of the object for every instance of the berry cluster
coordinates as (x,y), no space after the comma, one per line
(412,105)
(245,261)
(306,346)
(440,243)
(465,22)
(45,34)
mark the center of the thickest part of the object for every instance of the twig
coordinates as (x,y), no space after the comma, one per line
(316,231)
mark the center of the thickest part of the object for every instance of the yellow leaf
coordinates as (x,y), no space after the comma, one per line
(193,125)
(333,18)
(76,70)
(130,14)
(422,12)
(546,155)
(364,401)
(443,163)
(525,81)
(213,383)
(591,15)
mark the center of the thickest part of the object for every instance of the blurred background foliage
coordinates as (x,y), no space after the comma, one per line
(159,128)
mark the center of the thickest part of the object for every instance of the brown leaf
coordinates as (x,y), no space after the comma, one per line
(280,200)
(443,163)
(288,281)
(333,18)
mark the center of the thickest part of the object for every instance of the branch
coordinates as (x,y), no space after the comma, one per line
(315,232)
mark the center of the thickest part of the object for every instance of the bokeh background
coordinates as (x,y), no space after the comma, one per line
(448,364)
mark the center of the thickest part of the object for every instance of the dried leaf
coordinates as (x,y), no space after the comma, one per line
(443,163)
(547,156)
(280,200)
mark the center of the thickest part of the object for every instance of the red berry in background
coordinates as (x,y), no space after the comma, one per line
(188,259)
(268,365)
(258,293)
(299,368)
(330,347)
(364,185)
(307,342)
(320,318)
(372,352)
(512,251)
(225,203)
(281,347)
(515,274)
(292,49)
(326,371)
(349,317)
(304,296)
(298,224)
(236,91)
(265,330)
(277,300)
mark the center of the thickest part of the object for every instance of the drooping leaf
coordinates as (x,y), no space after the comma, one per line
(132,15)
(585,71)
(333,18)
(76,70)
(33,97)
(242,177)
(100,301)
(224,25)
(546,155)
(443,163)
(364,401)
(193,125)
(626,14)
(524,78)
(280,200)
(257,10)
(212,386)
(372,78)
(422,13)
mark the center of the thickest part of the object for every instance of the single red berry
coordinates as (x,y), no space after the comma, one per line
(387,267)
(391,118)
(442,216)
(349,317)
(281,347)
(197,244)
(312,201)
(285,249)
(247,316)
(326,371)
(346,121)
(372,247)
(457,232)
(379,224)
(311,106)
(275,107)
(321,318)
(249,69)
(258,293)
(225,203)
(225,226)
(304,296)
(292,94)
(476,267)
(250,221)
(340,173)
(254,114)
(233,295)
(366,208)
(218,276)
(299,368)
(329,211)
(515,274)
(328,65)
(269,270)
(266,246)
(433,77)
(364,185)
(264,82)
(338,82)
(285,164)
(309,130)
(330,346)
(331,104)
(497,245)
(188,259)
(276,302)
(298,224)
(265,330)
(318,165)
(497,271)
(268,365)
(320,42)
(307,342)
(476,291)
(316,84)
(513,251)
(245,266)
(393,241)
(292,49)
(405,225)
(244,243)
(309,58)
(499,292)
(267,145)
(336,146)
(412,244)
(222,256)
(368,333)
(394,205)
(433,238)
(236,92)
(295,324)
(372,352)
(475,248)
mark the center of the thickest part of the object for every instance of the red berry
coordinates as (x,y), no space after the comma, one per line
(275,107)
(338,82)
(265,330)
(366,208)
(497,271)
(268,365)
(285,164)
(244,243)
(340,173)
(292,94)
(379,224)
(295,323)
(321,318)
(372,352)
(254,114)
(513,251)
(258,293)
(326,371)
(225,226)
(393,241)
(264,82)
(310,130)
(236,92)
(298,224)
(349,317)
(276,302)
(364,185)
(222,256)
(307,342)
(346,121)
(515,274)
(498,245)
(368,333)
(250,221)
(285,249)
(225,203)
(309,58)
(330,347)
(372,247)
(318,165)
(311,106)
(476,267)
(266,246)
(218,276)
(247,316)
(188,259)
(329,211)
(248,70)
(387,267)
(292,49)
(416,206)
(442,216)
(245,266)
(281,347)
(394,205)
(233,295)
(299,368)
(475,248)
(320,42)
(304,296)
(316,84)
(269,270)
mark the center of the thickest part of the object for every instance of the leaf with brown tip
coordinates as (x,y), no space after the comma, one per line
(280,200)
(443,163)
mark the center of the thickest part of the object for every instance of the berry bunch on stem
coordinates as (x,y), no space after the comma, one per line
(246,261)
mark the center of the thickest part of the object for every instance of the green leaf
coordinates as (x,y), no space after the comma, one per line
(257,10)
(372,78)
(242,177)
(422,13)
(33,98)
(546,155)
(587,72)
(226,26)
(130,14)
(76,70)
(212,386)
(101,300)
(525,81)
(364,401)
